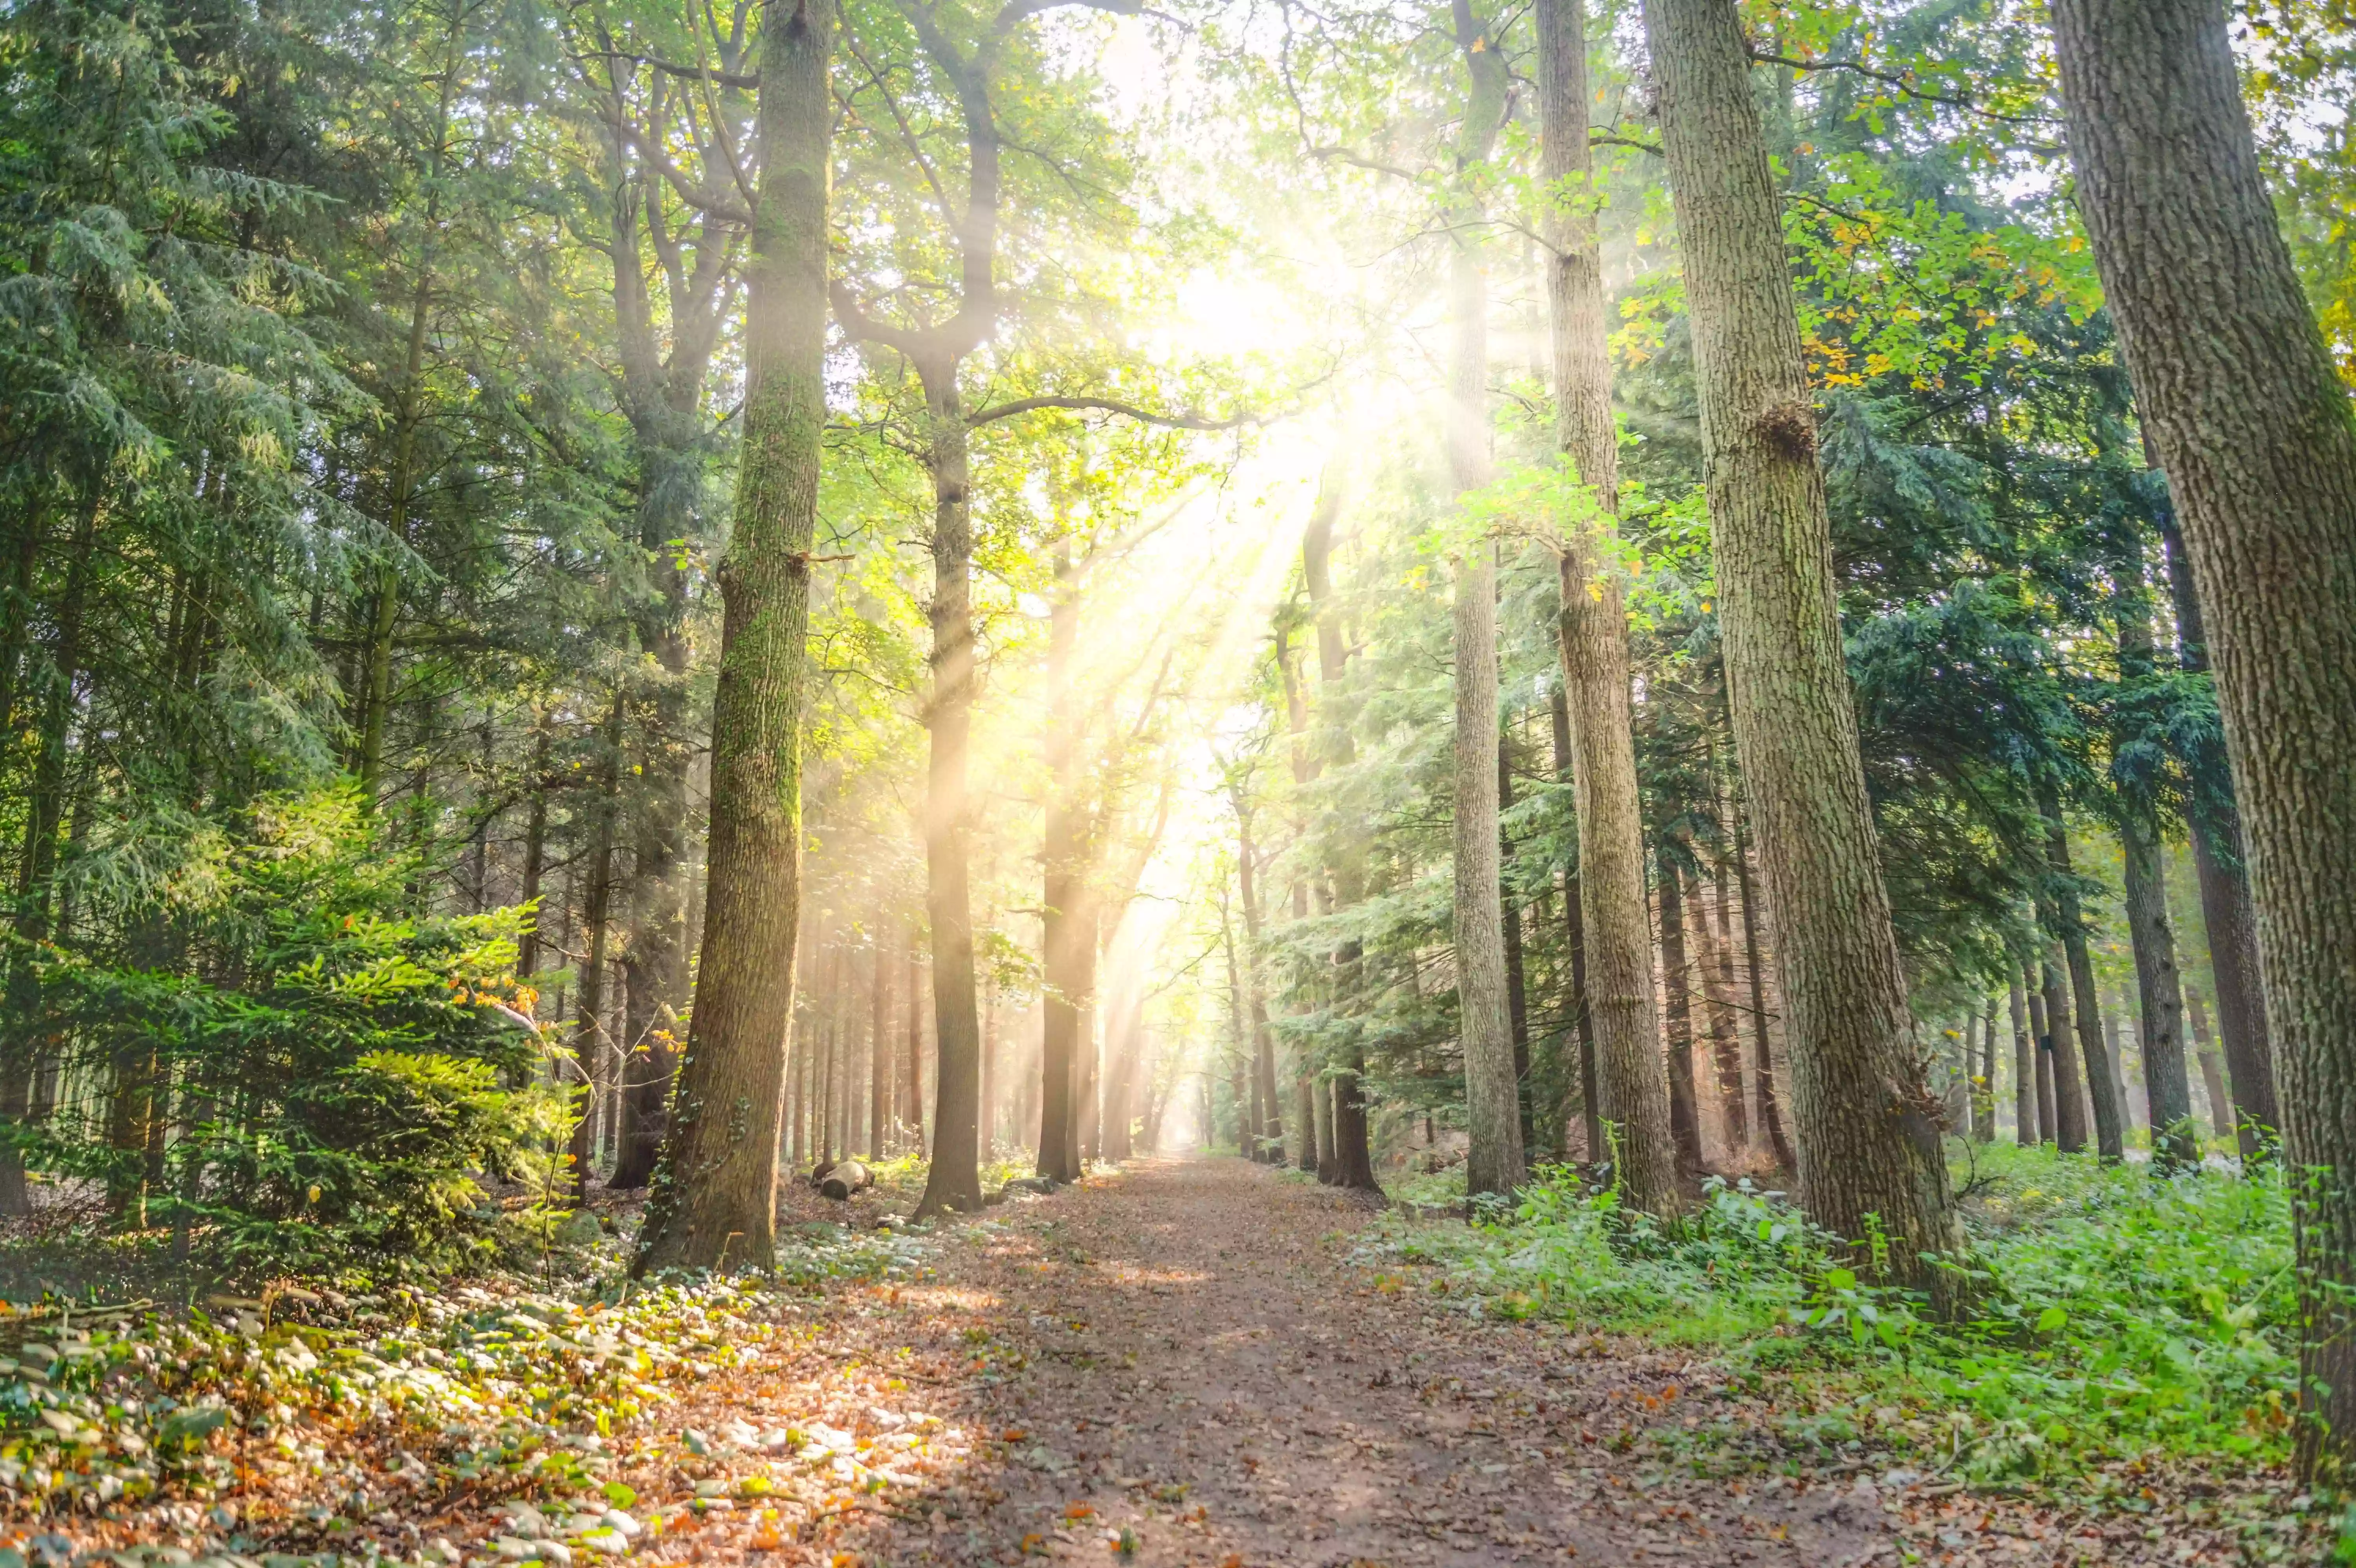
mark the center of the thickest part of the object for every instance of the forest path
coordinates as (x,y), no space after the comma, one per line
(1182,1351)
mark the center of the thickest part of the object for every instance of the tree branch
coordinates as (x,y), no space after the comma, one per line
(1899,79)
(1109,405)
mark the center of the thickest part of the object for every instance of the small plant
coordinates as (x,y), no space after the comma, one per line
(294,1074)
(2117,1310)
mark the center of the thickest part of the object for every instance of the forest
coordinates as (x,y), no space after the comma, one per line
(871,781)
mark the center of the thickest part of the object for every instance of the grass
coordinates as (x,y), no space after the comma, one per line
(2120,1313)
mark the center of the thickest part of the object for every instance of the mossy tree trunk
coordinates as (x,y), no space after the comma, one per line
(714,1190)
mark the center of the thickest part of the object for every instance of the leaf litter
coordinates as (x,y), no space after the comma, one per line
(1184,1362)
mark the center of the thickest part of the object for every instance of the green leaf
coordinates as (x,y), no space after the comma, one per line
(186,1428)
(1840,1279)
(2050,1319)
(620,1494)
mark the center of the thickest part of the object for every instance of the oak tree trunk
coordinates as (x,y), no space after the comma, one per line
(1868,1127)
(2253,427)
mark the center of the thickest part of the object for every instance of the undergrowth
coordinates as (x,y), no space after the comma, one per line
(2118,1312)
(491,1386)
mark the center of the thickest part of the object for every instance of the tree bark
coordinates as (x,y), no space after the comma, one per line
(2049,1125)
(714,1191)
(1867,1130)
(2025,1125)
(1068,924)
(1984,1091)
(2068,1122)
(2250,421)
(1575,934)
(1614,950)
(2212,1078)
(1267,1142)
(2225,911)
(1718,992)
(1677,990)
(1346,1149)
(592,1046)
(953,1180)
(1492,1105)
(2093,1053)
(2158,989)
(1517,1005)
(1770,1108)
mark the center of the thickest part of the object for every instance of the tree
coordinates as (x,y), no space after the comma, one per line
(1493,1099)
(2254,431)
(1614,929)
(669,313)
(714,1199)
(1865,1123)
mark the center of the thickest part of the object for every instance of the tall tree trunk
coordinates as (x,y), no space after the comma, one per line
(593,1049)
(22,1046)
(1615,948)
(2212,1079)
(2049,1125)
(1867,1130)
(879,1049)
(1517,1003)
(1771,1109)
(1983,1070)
(1677,991)
(2068,1125)
(953,1180)
(2093,1053)
(2225,909)
(1068,942)
(1267,1142)
(535,846)
(1491,1101)
(912,1066)
(2159,990)
(1574,896)
(2248,418)
(654,959)
(2025,1128)
(714,1190)
(1712,926)
(1346,1149)
(1305,769)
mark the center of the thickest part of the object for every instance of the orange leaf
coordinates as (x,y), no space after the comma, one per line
(1079,1510)
(1012,1435)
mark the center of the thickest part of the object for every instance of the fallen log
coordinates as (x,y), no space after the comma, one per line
(842,1179)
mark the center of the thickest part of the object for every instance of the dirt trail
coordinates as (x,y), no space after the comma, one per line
(1181,1352)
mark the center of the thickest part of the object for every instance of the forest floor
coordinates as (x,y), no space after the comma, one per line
(1194,1361)
(1181,1363)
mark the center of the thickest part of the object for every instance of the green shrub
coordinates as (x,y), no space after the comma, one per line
(2117,1310)
(291,1071)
